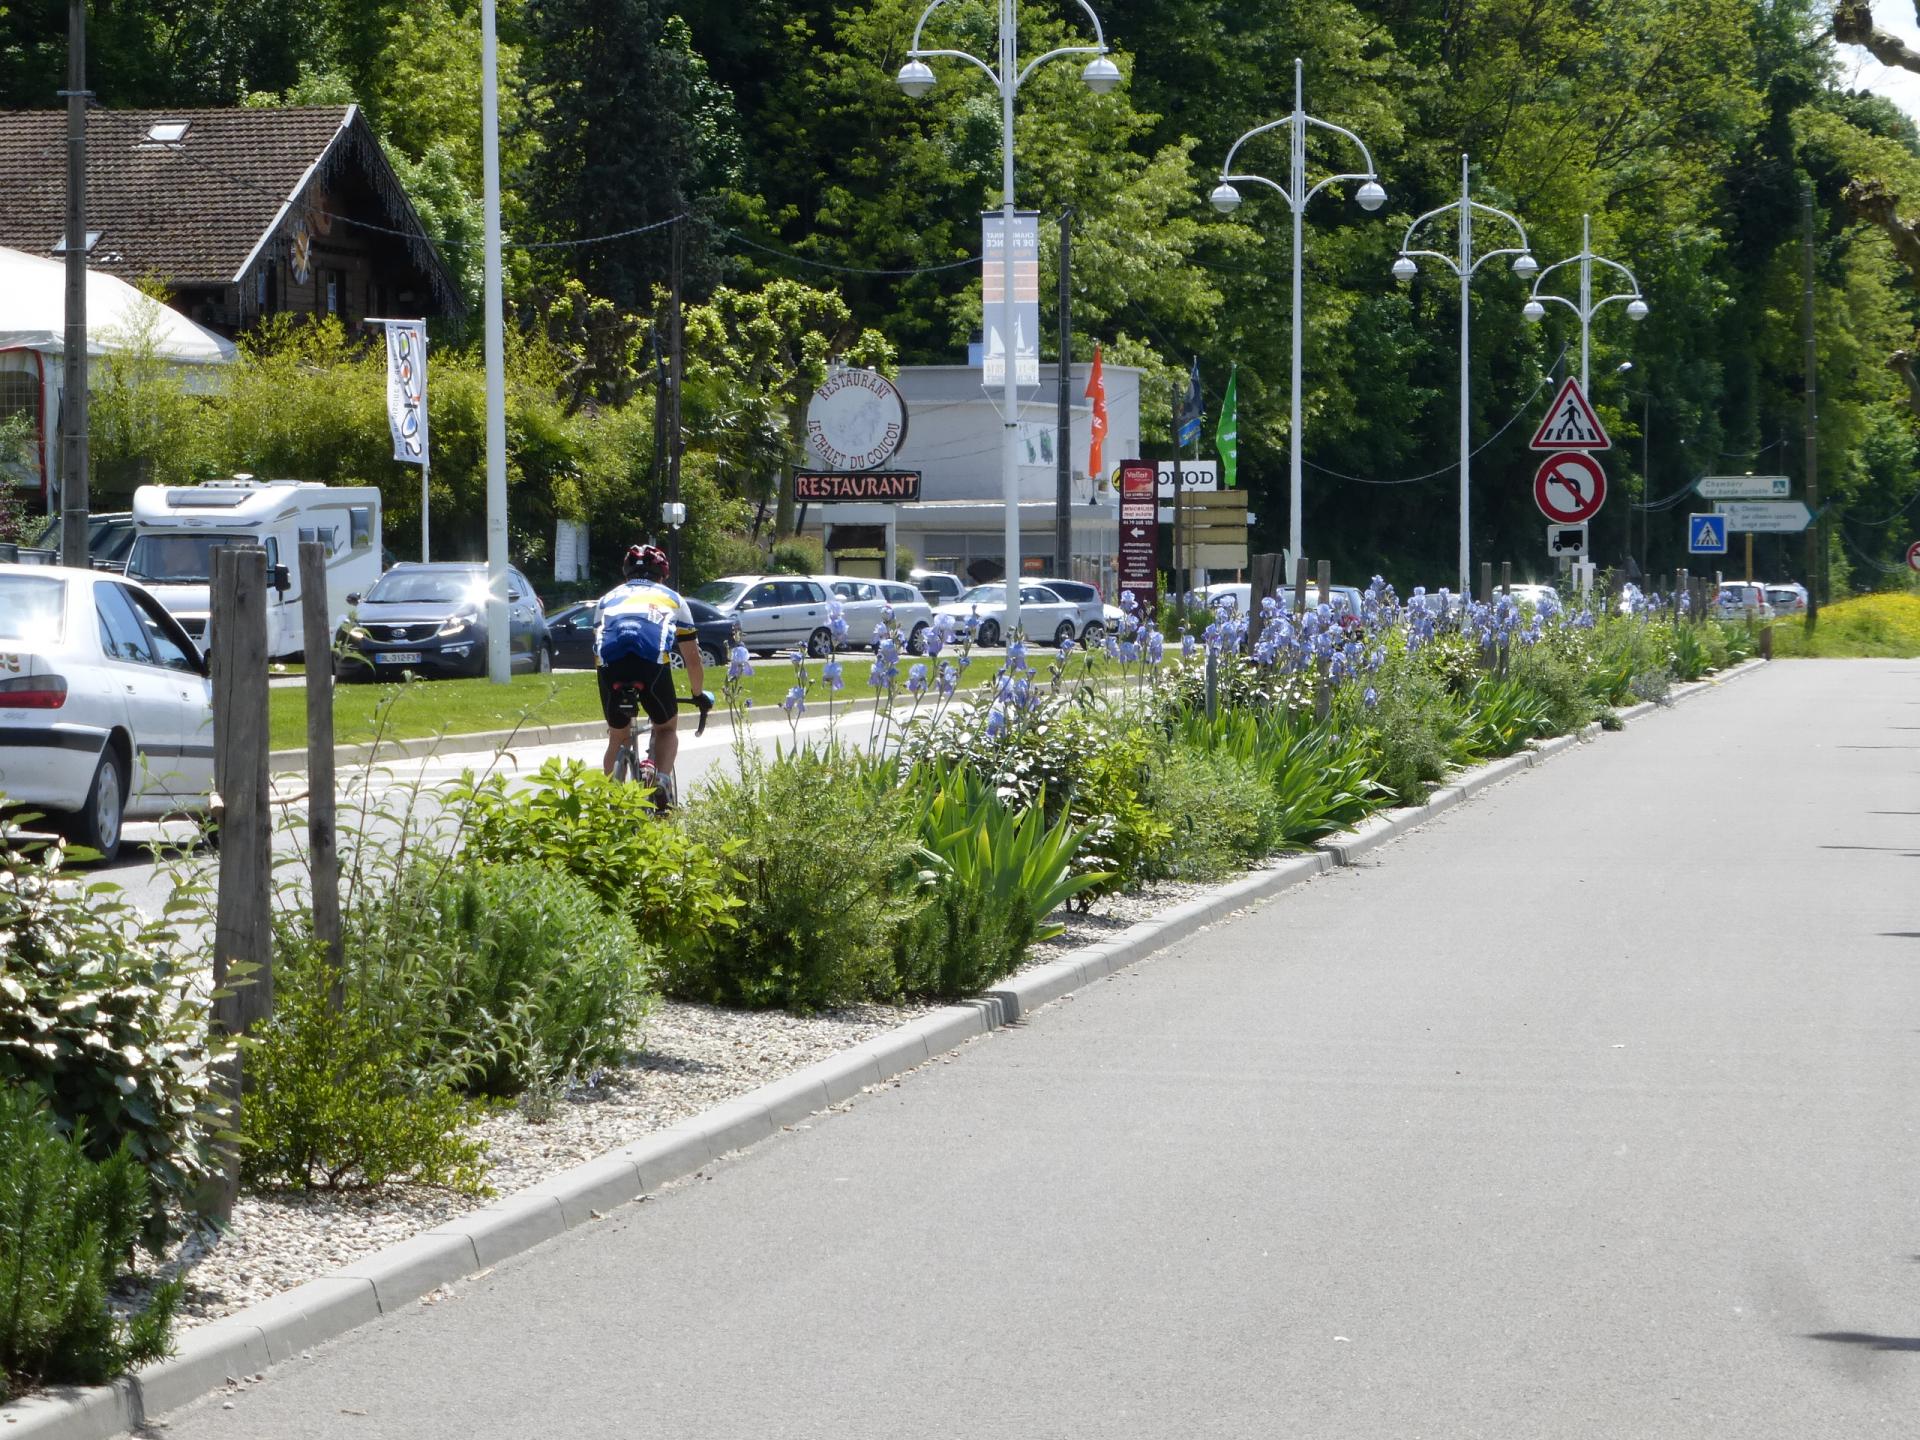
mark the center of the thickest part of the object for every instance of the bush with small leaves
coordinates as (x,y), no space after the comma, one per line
(68,1222)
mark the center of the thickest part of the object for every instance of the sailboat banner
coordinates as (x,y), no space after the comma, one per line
(1010,318)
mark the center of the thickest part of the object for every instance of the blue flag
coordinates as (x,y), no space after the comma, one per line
(1190,409)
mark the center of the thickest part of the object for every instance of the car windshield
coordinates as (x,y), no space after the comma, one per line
(427,587)
(32,608)
(720,592)
(181,559)
(993,594)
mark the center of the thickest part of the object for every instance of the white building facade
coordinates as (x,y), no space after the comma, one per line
(954,436)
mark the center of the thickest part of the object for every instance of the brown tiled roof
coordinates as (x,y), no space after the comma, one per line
(193,213)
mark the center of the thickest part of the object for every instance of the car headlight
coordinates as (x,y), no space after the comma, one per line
(456,624)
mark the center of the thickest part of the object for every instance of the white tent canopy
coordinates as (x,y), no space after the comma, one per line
(33,315)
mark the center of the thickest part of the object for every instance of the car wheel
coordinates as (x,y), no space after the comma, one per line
(989,634)
(98,824)
(543,662)
(820,643)
(917,641)
(677,661)
(1063,634)
(1094,633)
(712,657)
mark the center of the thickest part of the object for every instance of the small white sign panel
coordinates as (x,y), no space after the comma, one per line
(1745,487)
(1194,475)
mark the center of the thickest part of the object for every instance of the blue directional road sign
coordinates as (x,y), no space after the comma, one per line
(1706,534)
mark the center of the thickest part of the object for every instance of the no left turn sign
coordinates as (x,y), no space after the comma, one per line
(1913,556)
(1569,487)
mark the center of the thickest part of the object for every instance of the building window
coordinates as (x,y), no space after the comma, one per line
(266,288)
(333,292)
(20,395)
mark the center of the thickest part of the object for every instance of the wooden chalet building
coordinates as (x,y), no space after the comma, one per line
(239,213)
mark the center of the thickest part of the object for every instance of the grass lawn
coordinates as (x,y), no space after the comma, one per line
(454,707)
(1883,627)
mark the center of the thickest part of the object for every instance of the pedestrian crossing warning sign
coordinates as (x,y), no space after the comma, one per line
(1570,423)
(1706,534)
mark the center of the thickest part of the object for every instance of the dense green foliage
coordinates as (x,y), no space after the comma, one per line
(68,1223)
(100,1020)
(832,215)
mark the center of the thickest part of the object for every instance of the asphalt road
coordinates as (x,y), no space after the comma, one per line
(1589,1110)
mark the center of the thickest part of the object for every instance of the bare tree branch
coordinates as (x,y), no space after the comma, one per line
(1853,25)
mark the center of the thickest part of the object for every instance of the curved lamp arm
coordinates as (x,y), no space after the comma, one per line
(1446,260)
(1257,130)
(1038,61)
(1361,145)
(1273,185)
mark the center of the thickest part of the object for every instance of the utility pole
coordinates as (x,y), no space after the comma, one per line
(75,500)
(1817,530)
(1063,436)
(673,433)
(499,658)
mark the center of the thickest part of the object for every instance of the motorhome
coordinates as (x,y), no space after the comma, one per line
(178,527)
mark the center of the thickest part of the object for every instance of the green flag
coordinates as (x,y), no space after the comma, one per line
(1227,437)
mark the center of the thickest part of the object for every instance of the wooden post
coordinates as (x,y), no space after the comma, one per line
(1213,682)
(1326,581)
(1506,577)
(1300,586)
(1486,582)
(243,934)
(1679,588)
(1266,579)
(323,841)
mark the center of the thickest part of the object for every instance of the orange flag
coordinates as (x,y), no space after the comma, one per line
(1097,435)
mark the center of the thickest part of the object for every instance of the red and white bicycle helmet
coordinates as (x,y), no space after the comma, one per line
(645,561)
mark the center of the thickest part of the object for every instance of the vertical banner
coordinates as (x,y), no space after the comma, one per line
(1010,323)
(1097,432)
(1140,532)
(1227,437)
(407,389)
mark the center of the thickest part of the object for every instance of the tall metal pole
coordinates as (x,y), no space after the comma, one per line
(75,499)
(1063,427)
(676,445)
(1586,302)
(1297,188)
(499,656)
(1466,383)
(1816,550)
(1010,396)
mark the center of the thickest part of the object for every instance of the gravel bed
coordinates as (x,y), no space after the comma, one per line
(695,1056)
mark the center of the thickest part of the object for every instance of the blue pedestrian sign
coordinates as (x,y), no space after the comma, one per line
(1706,534)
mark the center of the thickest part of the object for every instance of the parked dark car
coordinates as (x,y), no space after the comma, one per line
(572,630)
(432,620)
(109,538)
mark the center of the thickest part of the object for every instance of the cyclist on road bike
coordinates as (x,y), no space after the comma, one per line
(637,625)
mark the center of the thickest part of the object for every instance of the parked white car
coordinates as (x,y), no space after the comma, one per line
(864,602)
(773,612)
(1788,598)
(106,712)
(1090,614)
(1045,617)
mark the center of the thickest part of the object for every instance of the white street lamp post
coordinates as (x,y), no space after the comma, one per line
(916,78)
(499,657)
(1464,264)
(1226,200)
(1586,307)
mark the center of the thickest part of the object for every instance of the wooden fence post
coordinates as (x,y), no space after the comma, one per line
(1506,577)
(1300,586)
(243,933)
(1326,581)
(323,841)
(1266,579)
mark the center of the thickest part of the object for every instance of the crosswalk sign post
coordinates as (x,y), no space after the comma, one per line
(1706,534)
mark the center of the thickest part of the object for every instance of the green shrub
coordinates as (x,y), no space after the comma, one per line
(96,1019)
(995,877)
(1419,729)
(1220,812)
(334,1103)
(540,979)
(68,1222)
(1559,684)
(574,818)
(1504,714)
(822,867)
(1121,831)
(1319,781)
(797,555)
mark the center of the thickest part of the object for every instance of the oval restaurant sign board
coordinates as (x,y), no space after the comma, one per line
(856,421)
(1569,488)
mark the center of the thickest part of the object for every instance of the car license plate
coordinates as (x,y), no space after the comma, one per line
(398,657)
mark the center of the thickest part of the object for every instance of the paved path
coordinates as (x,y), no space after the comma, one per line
(1587,1111)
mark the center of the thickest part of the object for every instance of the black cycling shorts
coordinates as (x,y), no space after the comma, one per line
(651,681)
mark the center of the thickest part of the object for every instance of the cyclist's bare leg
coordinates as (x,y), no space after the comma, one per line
(615,739)
(665,745)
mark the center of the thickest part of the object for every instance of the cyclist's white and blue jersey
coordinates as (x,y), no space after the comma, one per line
(640,621)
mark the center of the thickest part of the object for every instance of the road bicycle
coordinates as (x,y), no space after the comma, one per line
(630,764)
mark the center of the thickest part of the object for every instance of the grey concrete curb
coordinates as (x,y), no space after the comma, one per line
(296,1320)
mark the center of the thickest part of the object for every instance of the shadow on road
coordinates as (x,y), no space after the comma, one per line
(1872,1342)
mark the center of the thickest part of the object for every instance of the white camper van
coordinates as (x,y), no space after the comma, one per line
(177,527)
